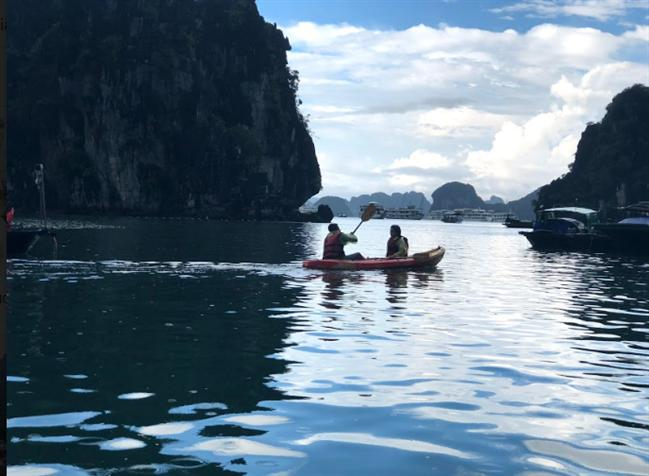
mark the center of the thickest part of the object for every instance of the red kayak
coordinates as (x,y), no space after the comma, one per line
(428,258)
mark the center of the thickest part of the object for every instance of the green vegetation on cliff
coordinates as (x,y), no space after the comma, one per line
(612,159)
(155,106)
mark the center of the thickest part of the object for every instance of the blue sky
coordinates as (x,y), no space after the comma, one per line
(410,94)
(402,14)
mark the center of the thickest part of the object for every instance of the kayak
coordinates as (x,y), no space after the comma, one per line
(428,258)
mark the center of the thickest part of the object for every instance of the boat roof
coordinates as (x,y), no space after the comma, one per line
(583,211)
(638,207)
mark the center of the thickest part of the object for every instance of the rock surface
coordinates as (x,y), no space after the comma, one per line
(155,107)
(454,195)
(611,166)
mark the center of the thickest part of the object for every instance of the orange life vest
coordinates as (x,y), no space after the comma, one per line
(333,247)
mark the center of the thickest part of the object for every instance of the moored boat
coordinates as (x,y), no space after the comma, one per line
(428,258)
(630,235)
(567,228)
(21,241)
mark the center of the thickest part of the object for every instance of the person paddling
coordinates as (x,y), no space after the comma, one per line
(335,242)
(397,244)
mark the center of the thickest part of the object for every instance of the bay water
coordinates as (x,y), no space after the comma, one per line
(153,346)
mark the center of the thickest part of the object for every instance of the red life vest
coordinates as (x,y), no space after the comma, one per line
(333,247)
(9,217)
(393,245)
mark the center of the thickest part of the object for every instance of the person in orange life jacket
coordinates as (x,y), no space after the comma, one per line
(335,242)
(397,244)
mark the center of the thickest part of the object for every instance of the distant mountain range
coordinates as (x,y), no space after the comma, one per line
(610,169)
(449,196)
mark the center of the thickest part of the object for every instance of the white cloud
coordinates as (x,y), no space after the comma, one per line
(641,32)
(460,122)
(421,159)
(502,110)
(523,156)
(329,109)
(601,10)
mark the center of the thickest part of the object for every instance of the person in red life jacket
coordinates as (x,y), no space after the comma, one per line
(9,217)
(335,242)
(397,244)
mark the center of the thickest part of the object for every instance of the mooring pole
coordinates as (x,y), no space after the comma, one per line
(40,183)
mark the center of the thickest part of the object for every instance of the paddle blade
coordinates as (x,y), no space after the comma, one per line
(369,212)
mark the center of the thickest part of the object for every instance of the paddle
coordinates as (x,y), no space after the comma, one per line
(368,213)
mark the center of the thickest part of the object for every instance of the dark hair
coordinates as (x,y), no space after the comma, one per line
(333,227)
(396,228)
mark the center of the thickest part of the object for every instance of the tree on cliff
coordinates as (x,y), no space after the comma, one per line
(612,157)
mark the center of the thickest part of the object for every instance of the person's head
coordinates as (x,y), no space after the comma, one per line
(333,227)
(395,230)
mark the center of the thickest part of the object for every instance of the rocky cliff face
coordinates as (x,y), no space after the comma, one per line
(611,164)
(155,106)
(454,195)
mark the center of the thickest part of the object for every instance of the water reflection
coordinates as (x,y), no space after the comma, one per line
(336,285)
(214,358)
(140,346)
(159,239)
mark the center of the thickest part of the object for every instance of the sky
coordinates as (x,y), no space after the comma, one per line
(410,94)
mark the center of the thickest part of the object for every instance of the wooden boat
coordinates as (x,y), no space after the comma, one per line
(551,241)
(630,235)
(428,258)
(567,228)
(452,218)
(20,241)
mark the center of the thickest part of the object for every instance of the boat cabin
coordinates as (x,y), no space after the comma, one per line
(566,220)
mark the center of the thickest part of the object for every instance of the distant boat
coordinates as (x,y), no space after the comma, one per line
(630,235)
(511,222)
(470,214)
(474,214)
(408,213)
(567,228)
(21,241)
(452,218)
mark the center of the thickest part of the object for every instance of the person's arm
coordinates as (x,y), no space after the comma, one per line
(348,238)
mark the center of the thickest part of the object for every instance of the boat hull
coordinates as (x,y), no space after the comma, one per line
(428,258)
(548,240)
(626,237)
(519,224)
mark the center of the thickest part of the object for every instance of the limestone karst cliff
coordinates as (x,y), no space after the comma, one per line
(155,107)
(611,164)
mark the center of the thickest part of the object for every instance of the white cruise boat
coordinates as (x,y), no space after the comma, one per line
(408,213)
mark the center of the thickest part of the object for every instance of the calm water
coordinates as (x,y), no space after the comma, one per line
(167,346)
